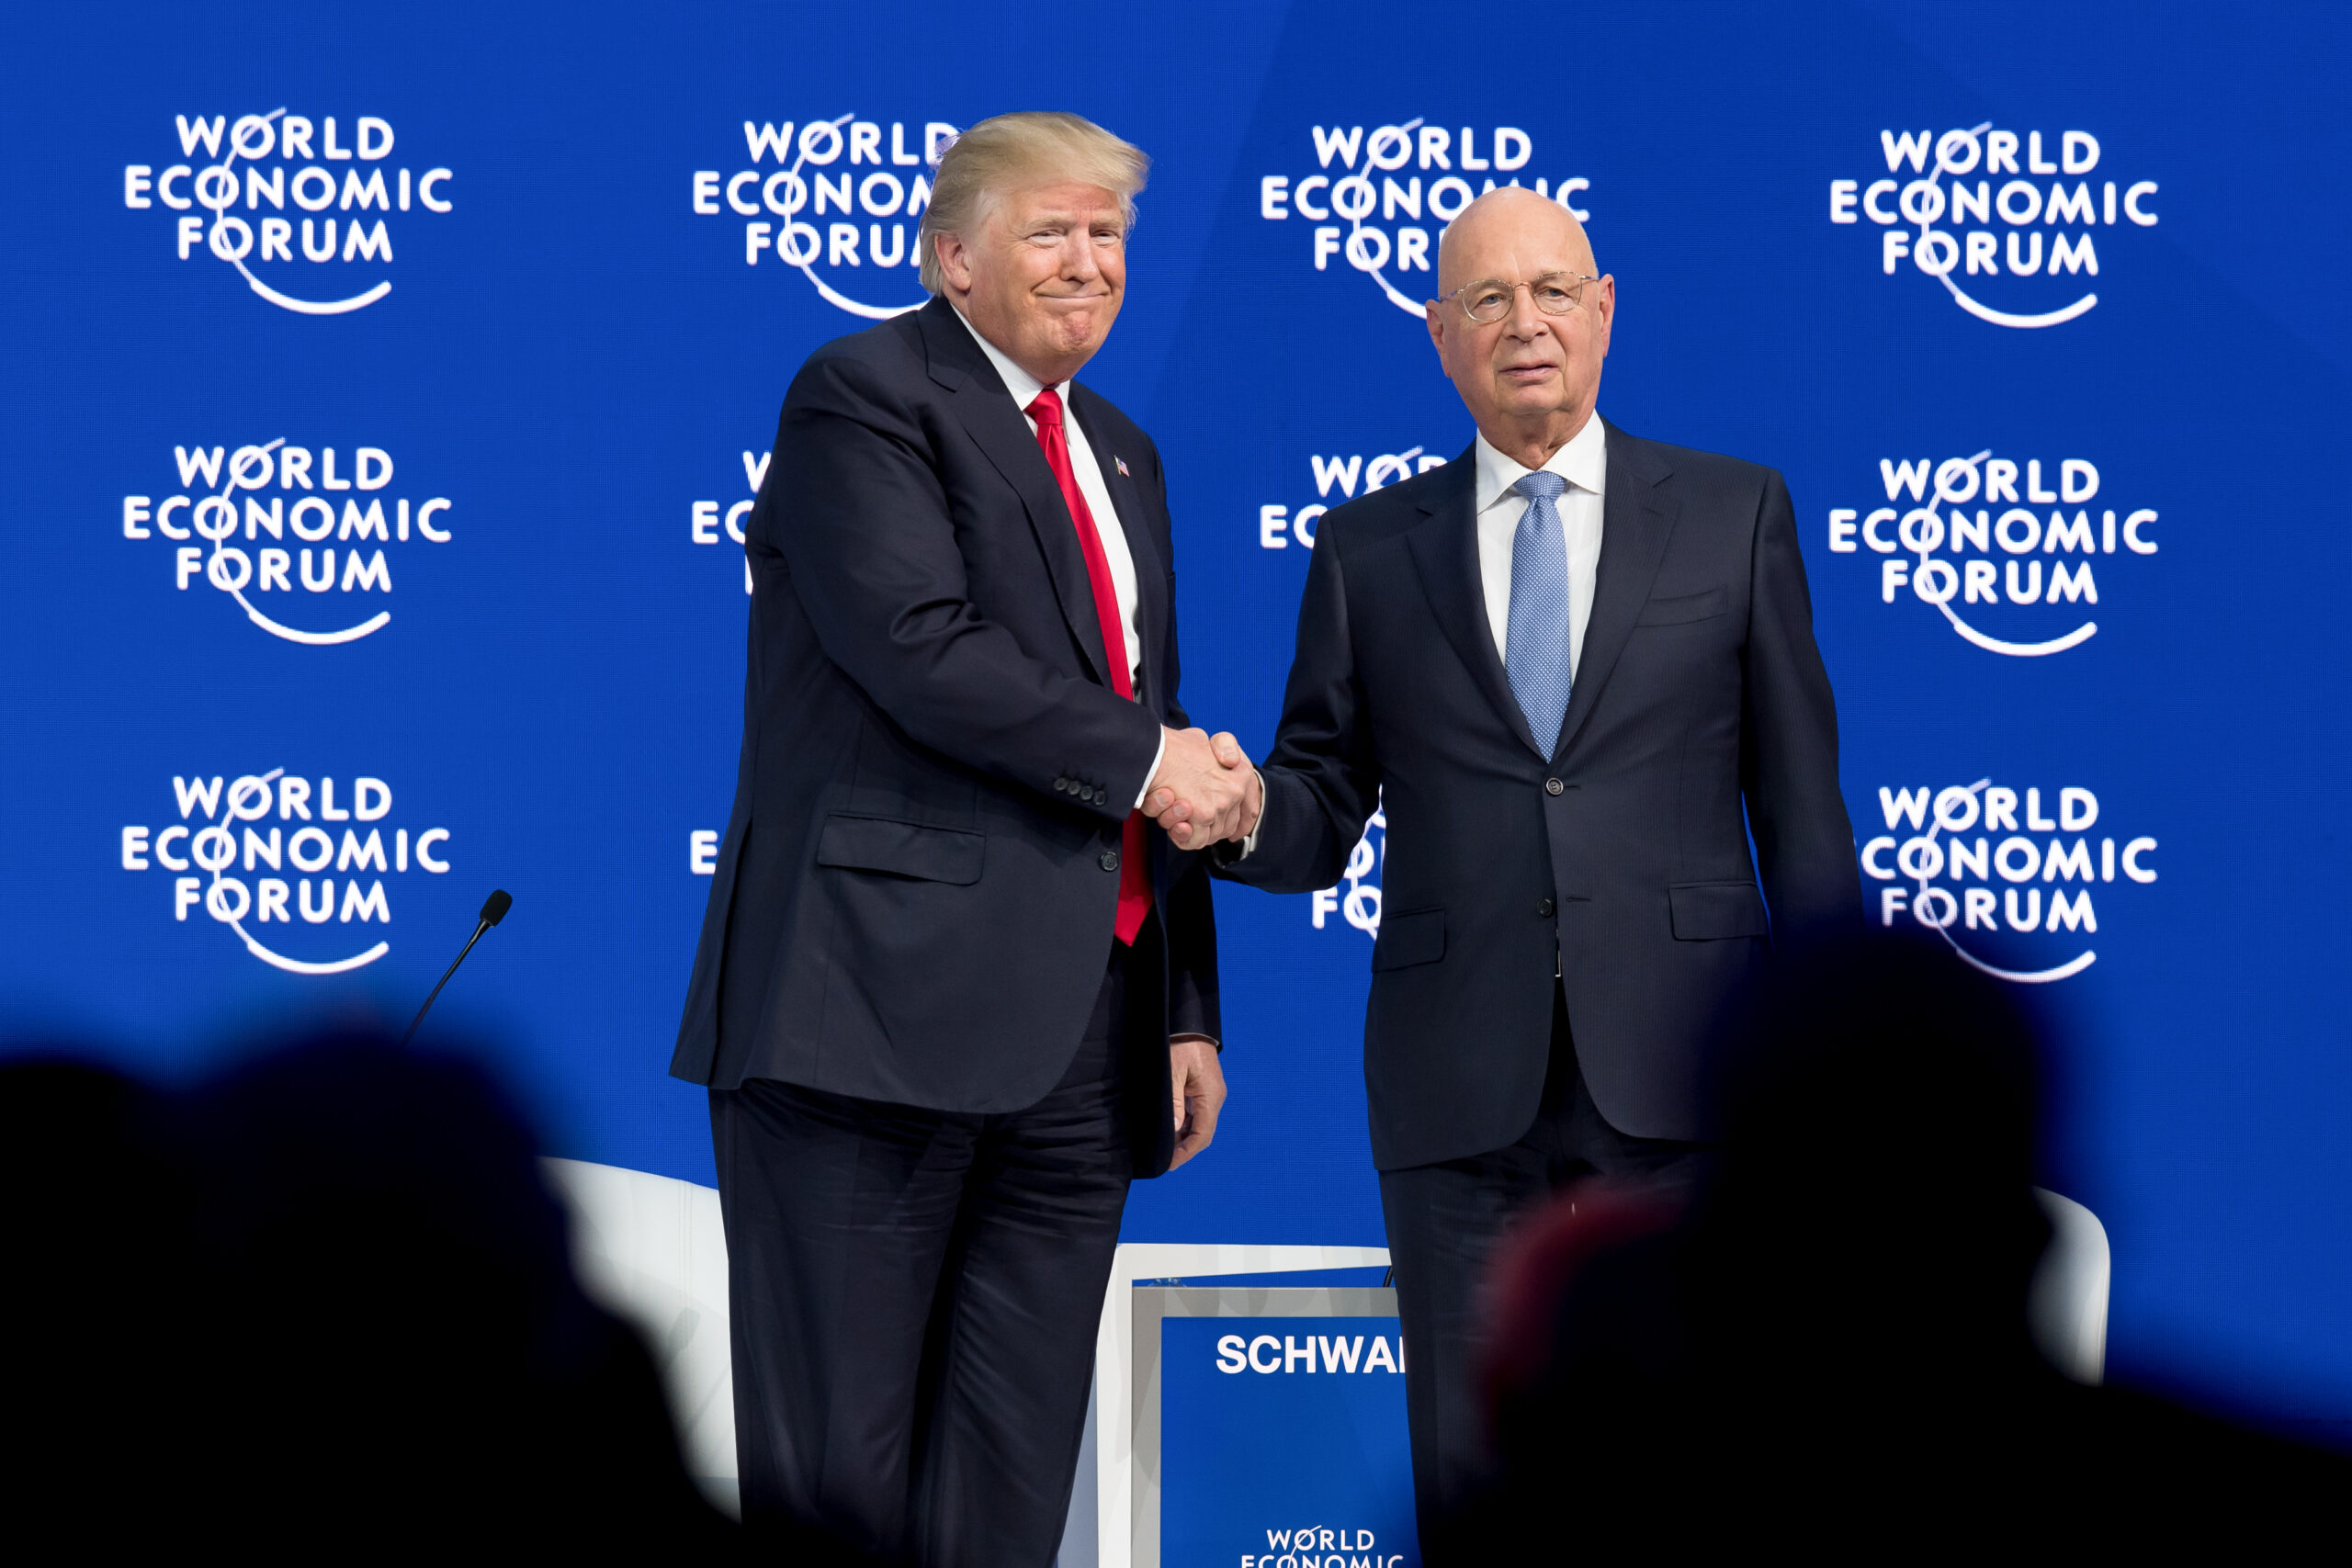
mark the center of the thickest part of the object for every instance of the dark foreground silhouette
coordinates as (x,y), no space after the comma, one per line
(1828,1349)
(322,1305)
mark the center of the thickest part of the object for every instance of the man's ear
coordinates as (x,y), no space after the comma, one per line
(955,262)
(1436,314)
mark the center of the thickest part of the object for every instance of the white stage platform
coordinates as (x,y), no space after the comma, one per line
(653,1250)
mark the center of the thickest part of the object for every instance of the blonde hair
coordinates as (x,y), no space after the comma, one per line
(1009,151)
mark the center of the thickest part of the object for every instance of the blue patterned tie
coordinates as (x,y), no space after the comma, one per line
(1535,640)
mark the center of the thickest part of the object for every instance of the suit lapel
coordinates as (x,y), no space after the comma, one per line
(1152,610)
(985,411)
(1636,520)
(1445,551)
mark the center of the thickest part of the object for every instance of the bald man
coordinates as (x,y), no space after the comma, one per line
(1577,668)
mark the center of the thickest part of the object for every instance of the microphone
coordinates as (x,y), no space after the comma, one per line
(493,909)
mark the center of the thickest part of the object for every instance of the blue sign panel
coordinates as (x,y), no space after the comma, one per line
(1282,1445)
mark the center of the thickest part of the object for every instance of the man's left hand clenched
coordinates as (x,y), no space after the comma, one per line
(1196,1086)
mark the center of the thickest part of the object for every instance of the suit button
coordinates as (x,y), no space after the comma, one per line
(1062,785)
(1544,906)
(1553,786)
(1102,797)
(1109,859)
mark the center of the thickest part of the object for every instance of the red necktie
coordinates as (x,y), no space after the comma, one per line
(1135,876)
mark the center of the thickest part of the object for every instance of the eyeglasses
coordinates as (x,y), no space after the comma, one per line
(1489,299)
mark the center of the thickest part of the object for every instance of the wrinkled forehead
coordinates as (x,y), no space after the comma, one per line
(1524,240)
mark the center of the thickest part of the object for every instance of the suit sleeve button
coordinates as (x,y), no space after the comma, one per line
(1102,797)
(1109,859)
(1553,786)
(1544,906)
(1061,786)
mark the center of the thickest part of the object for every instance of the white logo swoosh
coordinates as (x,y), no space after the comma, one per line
(375,623)
(2065,971)
(2074,639)
(300,967)
(314,307)
(2009,318)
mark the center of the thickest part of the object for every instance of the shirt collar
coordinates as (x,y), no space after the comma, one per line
(1583,462)
(1023,386)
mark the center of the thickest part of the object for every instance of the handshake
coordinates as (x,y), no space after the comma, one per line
(1206,791)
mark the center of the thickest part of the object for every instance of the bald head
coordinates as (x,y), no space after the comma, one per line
(1531,376)
(1510,218)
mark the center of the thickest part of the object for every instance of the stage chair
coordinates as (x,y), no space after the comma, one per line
(651,1250)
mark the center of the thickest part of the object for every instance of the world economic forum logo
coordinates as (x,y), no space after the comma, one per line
(260,525)
(708,520)
(1348,474)
(2007,885)
(269,182)
(808,188)
(1355,897)
(325,891)
(2008,551)
(1425,177)
(1988,213)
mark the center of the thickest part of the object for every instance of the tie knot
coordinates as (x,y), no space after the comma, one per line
(1542,485)
(1046,408)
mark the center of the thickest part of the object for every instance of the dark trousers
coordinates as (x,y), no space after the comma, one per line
(1444,1222)
(915,1295)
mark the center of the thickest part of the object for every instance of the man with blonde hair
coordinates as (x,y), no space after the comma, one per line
(953,990)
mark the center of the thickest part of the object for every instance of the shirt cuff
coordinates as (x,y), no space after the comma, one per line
(1215,1043)
(1250,840)
(1153,771)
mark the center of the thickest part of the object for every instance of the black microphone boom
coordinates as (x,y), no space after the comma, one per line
(493,909)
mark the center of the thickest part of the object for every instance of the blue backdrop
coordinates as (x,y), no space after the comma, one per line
(381,386)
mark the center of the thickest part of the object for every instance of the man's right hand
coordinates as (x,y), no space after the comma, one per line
(1205,791)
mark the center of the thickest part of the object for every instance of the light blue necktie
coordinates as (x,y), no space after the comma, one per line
(1535,640)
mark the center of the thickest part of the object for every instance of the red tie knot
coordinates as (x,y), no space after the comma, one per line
(1046,408)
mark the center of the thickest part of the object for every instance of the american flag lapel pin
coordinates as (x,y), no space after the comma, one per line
(1122,464)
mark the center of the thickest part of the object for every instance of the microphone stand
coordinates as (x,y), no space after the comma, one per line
(492,911)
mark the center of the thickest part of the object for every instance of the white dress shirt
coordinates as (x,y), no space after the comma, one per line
(1584,463)
(1024,389)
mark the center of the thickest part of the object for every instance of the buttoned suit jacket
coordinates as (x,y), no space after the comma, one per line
(1614,854)
(914,896)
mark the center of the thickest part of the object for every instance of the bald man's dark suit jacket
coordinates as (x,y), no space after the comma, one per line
(1614,853)
(914,897)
